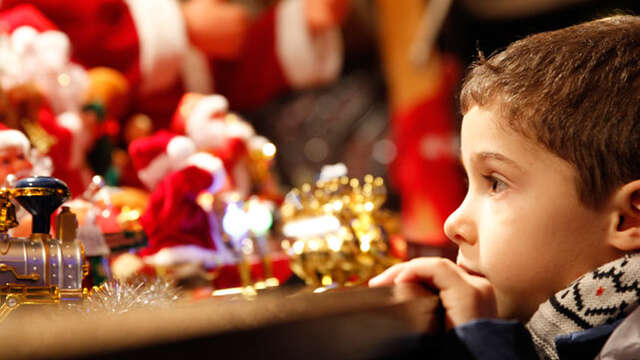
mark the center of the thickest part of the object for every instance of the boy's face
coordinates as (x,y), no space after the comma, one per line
(13,161)
(521,224)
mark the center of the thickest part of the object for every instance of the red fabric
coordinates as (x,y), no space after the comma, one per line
(144,150)
(173,217)
(25,15)
(60,152)
(233,150)
(257,74)
(109,127)
(185,106)
(129,177)
(421,178)
(228,275)
(103,33)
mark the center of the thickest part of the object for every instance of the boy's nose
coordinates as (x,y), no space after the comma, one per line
(459,228)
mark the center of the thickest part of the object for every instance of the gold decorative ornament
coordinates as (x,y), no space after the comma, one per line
(336,232)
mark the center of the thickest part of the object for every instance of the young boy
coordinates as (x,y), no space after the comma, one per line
(550,225)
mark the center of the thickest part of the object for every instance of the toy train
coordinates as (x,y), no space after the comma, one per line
(39,269)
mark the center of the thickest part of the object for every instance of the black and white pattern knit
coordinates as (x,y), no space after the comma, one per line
(602,296)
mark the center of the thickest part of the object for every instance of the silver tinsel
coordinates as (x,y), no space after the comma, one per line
(119,297)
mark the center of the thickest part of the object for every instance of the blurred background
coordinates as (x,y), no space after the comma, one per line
(201,116)
(392,112)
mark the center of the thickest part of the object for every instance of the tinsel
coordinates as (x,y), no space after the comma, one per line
(119,297)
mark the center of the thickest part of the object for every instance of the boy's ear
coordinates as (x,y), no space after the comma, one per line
(626,205)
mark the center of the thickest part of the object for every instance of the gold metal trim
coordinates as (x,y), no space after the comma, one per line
(32,294)
(45,238)
(6,251)
(85,263)
(8,306)
(38,191)
(32,276)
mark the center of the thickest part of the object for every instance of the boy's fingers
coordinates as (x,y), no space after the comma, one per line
(388,276)
(465,297)
(437,272)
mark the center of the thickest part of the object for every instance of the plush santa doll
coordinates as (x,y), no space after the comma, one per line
(167,47)
(179,231)
(18,160)
(206,120)
(43,92)
(15,155)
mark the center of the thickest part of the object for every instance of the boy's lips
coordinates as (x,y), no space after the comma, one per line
(470,271)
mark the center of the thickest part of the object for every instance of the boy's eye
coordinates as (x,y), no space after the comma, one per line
(497,185)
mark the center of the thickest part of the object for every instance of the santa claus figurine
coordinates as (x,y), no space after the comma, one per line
(179,231)
(168,47)
(14,155)
(43,93)
(207,121)
(18,160)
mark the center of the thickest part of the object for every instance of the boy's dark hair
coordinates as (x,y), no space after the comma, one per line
(576,91)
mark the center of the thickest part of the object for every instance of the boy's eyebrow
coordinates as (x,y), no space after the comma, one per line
(487,155)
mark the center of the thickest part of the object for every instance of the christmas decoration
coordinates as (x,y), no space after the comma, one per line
(212,198)
(165,48)
(337,233)
(247,156)
(109,222)
(246,227)
(179,231)
(425,169)
(50,98)
(39,269)
(17,161)
(116,297)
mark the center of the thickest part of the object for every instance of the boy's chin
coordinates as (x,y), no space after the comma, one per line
(510,308)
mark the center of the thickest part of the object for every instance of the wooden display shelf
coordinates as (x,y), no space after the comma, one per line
(357,323)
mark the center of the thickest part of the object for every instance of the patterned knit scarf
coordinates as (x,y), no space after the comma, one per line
(600,297)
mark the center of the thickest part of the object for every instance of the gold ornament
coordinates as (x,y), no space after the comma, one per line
(336,232)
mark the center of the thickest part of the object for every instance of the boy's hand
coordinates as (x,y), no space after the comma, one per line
(464,297)
(324,14)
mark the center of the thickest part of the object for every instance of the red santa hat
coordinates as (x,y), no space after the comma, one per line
(14,138)
(174,220)
(25,14)
(156,156)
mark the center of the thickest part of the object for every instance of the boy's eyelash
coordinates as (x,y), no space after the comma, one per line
(494,182)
